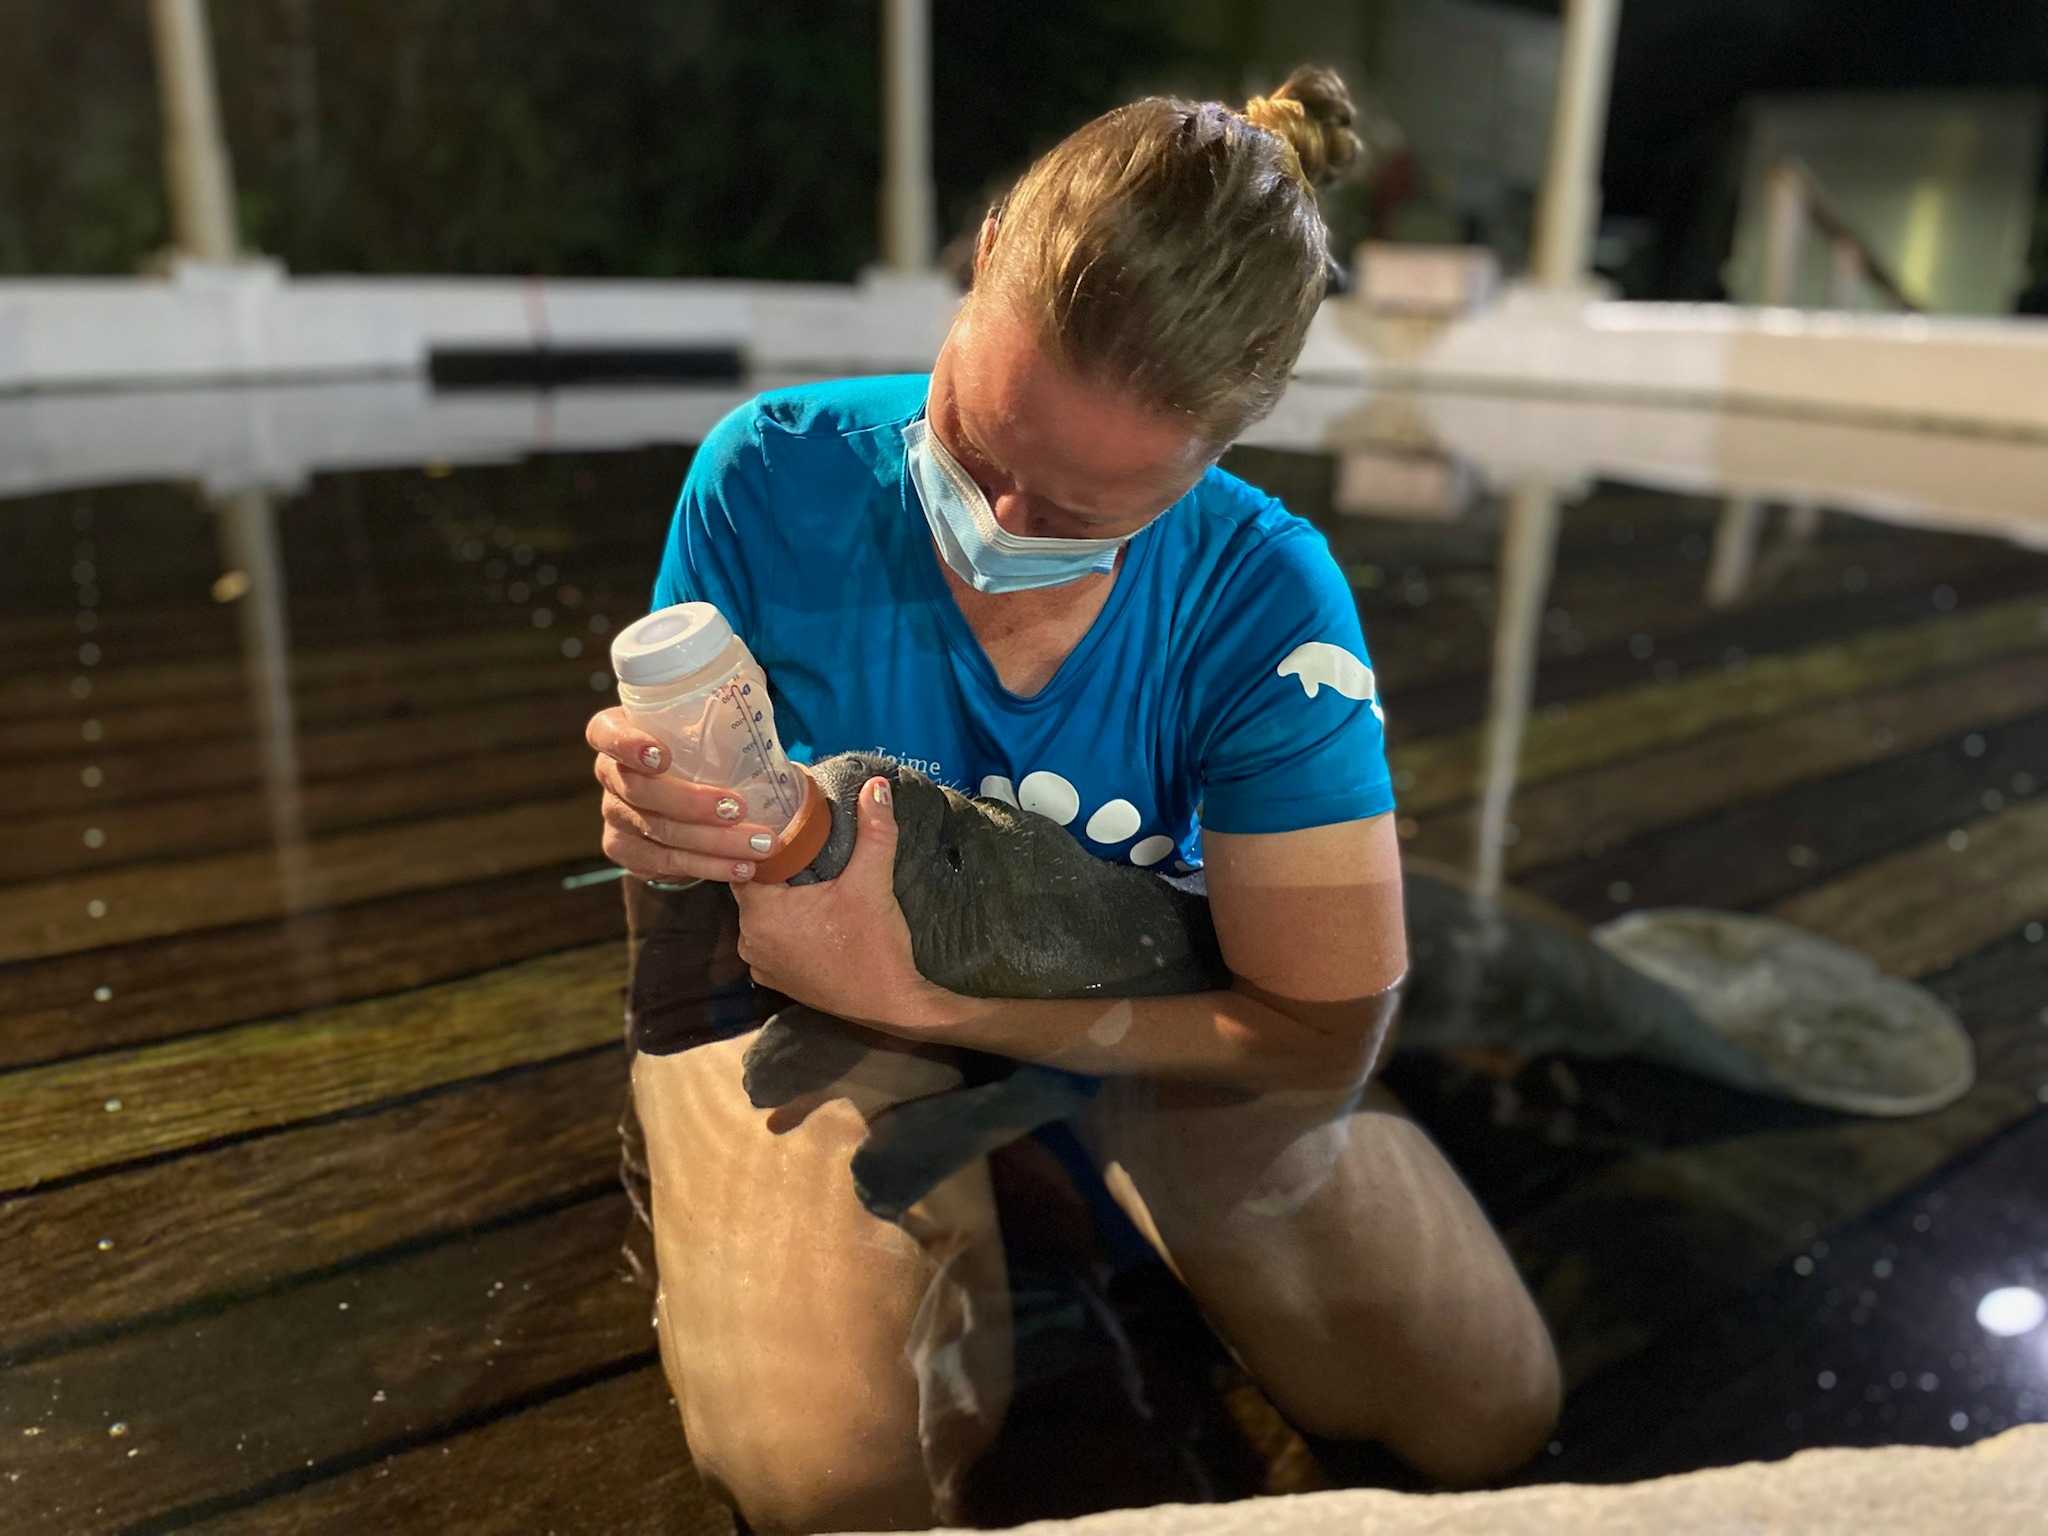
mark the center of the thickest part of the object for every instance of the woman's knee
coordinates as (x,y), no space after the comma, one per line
(826,1474)
(1347,1367)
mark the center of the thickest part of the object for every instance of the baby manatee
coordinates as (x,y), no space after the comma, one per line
(1002,902)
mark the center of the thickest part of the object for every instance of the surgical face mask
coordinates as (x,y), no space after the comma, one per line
(982,553)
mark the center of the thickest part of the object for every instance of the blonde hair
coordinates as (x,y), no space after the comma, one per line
(1175,249)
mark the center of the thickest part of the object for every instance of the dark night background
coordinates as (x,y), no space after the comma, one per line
(734,137)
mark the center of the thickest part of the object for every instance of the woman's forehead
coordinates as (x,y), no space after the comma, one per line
(1042,418)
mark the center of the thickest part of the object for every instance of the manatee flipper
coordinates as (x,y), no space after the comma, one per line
(799,1051)
(1823,1023)
(911,1148)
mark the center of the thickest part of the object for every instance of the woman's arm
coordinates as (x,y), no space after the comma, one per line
(1310,923)
(1311,928)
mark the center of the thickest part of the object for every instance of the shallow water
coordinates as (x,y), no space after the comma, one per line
(310,1067)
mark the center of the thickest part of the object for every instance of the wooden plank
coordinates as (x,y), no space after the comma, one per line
(321,1377)
(46,847)
(102,999)
(1932,904)
(114,686)
(1439,772)
(56,917)
(1585,813)
(1434,660)
(608,1458)
(242,1218)
(1762,850)
(255,1077)
(395,701)
(54,785)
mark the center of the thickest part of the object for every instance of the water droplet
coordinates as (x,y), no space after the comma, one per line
(1922,1221)
(89,654)
(2032,933)
(1958,840)
(2022,785)
(1973,745)
(118,1428)
(81,687)
(1825,1381)
(105,1245)
(1882,1269)
(1992,801)
(1803,1265)
(599,624)
(91,777)
(377,1396)
(341,1306)
(134,1450)
(522,554)
(94,837)
(1642,647)
(1928,1381)
(103,994)
(33,1430)
(84,571)
(1407,826)
(112,1106)
(1799,856)
(1959,1421)
(95,908)
(518,592)
(543,618)
(572,647)
(472,549)
(600,682)
(544,575)
(92,730)
(1620,891)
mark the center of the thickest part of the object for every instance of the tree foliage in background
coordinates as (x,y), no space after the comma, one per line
(628,138)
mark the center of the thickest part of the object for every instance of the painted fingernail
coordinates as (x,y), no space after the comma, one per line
(881,791)
(651,756)
(761,842)
(743,871)
(729,809)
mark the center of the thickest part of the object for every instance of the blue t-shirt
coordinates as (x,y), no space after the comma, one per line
(1225,682)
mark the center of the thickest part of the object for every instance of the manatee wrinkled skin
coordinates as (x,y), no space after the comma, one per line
(1005,903)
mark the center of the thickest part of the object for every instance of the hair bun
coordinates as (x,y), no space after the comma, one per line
(1312,111)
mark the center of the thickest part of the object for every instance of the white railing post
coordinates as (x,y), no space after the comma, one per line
(1569,209)
(1784,231)
(908,199)
(197,174)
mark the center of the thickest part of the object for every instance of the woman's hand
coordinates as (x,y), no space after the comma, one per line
(842,946)
(660,826)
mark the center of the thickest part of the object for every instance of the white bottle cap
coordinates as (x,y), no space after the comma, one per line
(669,643)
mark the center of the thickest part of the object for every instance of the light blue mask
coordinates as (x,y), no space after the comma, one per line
(983,553)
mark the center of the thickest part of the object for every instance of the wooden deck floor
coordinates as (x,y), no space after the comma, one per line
(308,1191)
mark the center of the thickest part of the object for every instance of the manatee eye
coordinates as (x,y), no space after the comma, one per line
(953,857)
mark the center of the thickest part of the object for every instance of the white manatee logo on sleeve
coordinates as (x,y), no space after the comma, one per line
(1319,664)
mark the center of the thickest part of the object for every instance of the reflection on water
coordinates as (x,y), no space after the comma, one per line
(311,1061)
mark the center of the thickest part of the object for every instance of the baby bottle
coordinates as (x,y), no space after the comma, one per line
(692,684)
